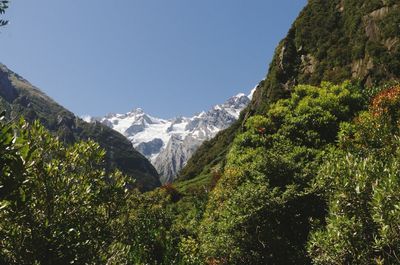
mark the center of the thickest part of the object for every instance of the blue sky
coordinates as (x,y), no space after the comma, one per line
(174,57)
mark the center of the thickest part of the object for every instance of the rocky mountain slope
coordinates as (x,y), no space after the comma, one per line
(330,41)
(334,41)
(168,144)
(20,98)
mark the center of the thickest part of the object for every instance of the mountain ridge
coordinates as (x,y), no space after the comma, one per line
(329,41)
(169,143)
(19,98)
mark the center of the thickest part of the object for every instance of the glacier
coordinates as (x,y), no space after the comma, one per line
(169,143)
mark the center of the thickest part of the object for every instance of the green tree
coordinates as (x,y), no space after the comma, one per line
(260,210)
(58,205)
(361,185)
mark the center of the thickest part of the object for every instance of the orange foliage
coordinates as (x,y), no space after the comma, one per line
(382,101)
(213,261)
(261,130)
(216,176)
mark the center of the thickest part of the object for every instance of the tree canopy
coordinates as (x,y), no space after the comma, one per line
(58,204)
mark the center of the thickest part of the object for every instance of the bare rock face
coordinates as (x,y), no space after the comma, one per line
(360,68)
(308,64)
(174,156)
(150,148)
(371,23)
(391,43)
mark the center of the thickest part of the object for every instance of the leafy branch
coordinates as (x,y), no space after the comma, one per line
(3,7)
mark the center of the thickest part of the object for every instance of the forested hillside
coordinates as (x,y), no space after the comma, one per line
(305,183)
(21,99)
(333,41)
(262,194)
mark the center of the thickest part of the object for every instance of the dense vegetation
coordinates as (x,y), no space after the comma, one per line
(309,175)
(265,191)
(334,41)
(360,181)
(58,204)
(305,183)
(21,99)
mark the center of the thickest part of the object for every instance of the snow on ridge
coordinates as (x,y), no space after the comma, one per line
(86,118)
(250,96)
(240,95)
(169,143)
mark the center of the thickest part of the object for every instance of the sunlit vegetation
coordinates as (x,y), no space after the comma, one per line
(332,41)
(264,200)
(309,175)
(314,181)
(58,204)
(305,183)
(361,184)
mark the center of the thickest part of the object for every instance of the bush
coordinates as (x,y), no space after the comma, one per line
(361,185)
(58,205)
(259,210)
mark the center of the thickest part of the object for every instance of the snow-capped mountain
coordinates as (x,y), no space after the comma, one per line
(168,144)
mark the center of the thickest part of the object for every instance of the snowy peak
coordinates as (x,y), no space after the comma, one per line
(168,144)
(234,105)
(130,123)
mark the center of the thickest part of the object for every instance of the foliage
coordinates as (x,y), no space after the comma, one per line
(363,190)
(3,7)
(327,42)
(272,202)
(335,41)
(58,205)
(21,99)
(259,211)
(209,154)
(297,180)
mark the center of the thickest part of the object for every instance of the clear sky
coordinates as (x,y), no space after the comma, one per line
(169,57)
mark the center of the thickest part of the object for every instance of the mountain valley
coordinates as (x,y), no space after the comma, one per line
(169,143)
(303,170)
